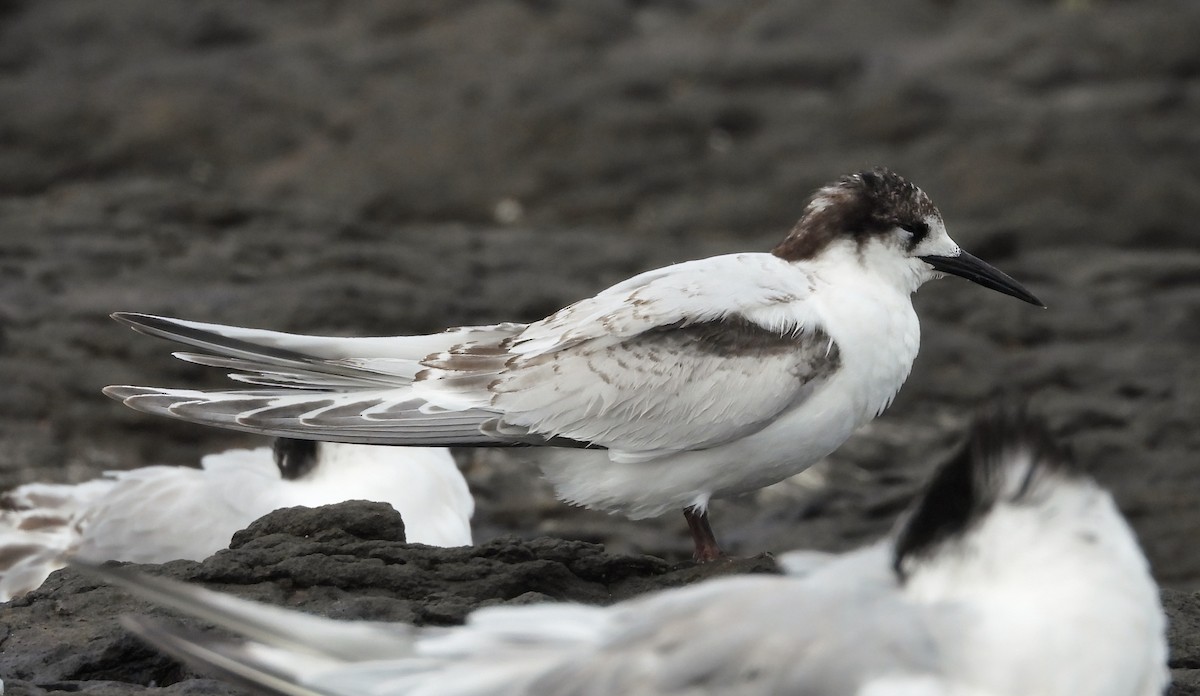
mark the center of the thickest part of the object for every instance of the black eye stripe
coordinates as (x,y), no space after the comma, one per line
(919,230)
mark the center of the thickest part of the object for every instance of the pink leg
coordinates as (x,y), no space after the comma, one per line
(702,535)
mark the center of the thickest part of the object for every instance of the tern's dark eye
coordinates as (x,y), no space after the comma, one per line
(918,229)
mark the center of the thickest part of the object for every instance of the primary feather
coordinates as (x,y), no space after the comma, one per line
(603,371)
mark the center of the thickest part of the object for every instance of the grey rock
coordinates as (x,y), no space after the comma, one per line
(345,561)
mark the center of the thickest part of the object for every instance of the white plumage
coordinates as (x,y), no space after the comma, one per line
(161,513)
(704,379)
(1013,574)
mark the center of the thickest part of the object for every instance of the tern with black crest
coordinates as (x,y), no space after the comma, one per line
(703,379)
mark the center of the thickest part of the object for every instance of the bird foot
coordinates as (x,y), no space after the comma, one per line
(708,554)
(707,549)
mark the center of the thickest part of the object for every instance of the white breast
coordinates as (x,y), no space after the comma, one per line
(877,333)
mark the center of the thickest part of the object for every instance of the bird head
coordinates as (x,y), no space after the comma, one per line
(1013,542)
(882,220)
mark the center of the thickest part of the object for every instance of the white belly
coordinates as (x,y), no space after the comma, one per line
(878,342)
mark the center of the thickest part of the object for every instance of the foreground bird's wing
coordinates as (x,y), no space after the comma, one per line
(285,628)
(289,652)
(828,635)
(685,357)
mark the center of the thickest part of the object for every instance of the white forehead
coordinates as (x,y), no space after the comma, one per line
(937,241)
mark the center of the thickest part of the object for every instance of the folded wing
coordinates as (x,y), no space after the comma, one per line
(680,358)
(752,635)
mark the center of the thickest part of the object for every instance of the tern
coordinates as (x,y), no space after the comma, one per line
(703,379)
(1013,573)
(157,514)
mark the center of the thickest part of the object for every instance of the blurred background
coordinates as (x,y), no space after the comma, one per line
(384,168)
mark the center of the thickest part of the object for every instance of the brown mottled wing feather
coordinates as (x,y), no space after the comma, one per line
(685,357)
(668,389)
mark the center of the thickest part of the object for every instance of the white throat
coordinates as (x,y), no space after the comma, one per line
(874,263)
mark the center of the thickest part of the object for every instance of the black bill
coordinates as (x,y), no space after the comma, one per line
(976,271)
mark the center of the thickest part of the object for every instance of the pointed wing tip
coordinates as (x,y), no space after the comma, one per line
(129,318)
(152,400)
(125,392)
(109,571)
(193,648)
(173,639)
(113,573)
(145,323)
(153,588)
(140,626)
(115,392)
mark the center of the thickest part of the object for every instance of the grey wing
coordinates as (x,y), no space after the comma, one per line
(685,385)
(745,635)
(769,636)
(288,652)
(672,388)
(684,357)
(361,416)
(354,390)
(314,361)
(284,628)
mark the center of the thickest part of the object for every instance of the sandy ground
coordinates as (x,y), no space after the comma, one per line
(376,168)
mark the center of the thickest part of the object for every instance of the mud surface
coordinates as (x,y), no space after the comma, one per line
(377,168)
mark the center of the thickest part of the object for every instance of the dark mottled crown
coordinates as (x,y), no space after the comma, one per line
(858,206)
(1007,458)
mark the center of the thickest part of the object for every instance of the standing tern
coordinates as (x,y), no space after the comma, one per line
(1012,574)
(704,379)
(157,514)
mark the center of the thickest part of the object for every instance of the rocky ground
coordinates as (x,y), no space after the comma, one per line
(377,167)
